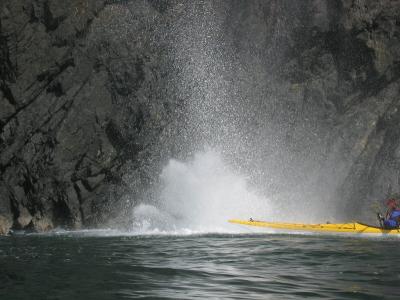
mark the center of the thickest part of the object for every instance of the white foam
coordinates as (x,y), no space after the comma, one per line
(200,196)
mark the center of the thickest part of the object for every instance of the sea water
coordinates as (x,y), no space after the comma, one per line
(116,265)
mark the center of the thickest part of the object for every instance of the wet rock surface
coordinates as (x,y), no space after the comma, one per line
(90,110)
(350,66)
(71,90)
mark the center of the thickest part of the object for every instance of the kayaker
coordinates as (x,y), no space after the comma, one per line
(392,217)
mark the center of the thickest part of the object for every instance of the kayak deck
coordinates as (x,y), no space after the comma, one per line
(354,227)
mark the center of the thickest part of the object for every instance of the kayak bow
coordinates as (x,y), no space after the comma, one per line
(354,227)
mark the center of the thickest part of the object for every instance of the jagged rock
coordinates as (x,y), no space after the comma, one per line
(95,181)
(5,210)
(42,223)
(5,224)
(24,218)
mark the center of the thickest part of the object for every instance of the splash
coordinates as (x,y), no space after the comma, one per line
(233,102)
(200,196)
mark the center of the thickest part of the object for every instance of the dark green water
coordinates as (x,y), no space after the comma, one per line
(78,266)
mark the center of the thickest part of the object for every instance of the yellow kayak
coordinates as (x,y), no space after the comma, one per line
(355,227)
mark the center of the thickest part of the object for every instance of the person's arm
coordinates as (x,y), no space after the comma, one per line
(387,215)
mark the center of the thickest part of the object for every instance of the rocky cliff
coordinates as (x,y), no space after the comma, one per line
(94,99)
(80,103)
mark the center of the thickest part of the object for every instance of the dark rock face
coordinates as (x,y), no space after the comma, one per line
(350,66)
(90,109)
(75,108)
(46,138)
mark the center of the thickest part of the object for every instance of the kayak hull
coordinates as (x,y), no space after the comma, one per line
(354,227)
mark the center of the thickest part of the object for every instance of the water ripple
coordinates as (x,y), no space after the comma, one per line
(217,266)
